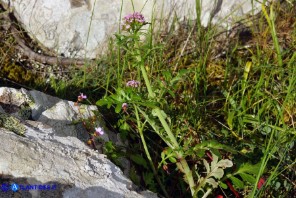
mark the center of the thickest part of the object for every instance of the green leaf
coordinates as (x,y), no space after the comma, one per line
(171,93)
(109,147)
(223,185)
(225,163)
(248,178)
(155,127)
(134,176)
(217,173)
(249,168)
(138,159)
(172,159)
(237,182)
(217,167)
(213,144)
(179,76)
(200,153)
(148,178)
(230,99)
(135,97)
(207,166)
(230,119)
(124,126)
(151,121)
(212,182)
(148,104)
(161,111)
(225,132)
(116,97)
(216,152)
(118,108)
(167,75)
(214,161)
(105,101)
(163,155)
(124,95)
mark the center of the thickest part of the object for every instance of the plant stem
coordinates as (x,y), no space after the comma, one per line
(147,152)
(207,193)
(147,82)
(188,174)
(265,159)
(182,164)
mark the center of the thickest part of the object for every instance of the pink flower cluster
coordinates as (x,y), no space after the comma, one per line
(135,17)
(133,83)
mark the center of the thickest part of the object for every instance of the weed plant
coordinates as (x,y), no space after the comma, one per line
(198,115)
(224,126)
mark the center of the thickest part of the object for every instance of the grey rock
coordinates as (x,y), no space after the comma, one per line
(49,154)
(52,111)
(81,29)
(62,161)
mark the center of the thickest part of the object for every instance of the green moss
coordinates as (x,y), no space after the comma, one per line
(17,73)
(9,68)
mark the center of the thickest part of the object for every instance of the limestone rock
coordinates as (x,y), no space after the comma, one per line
(50,154)
(62,116)
(58,114)
(41,158)
(52,111)
(81,28)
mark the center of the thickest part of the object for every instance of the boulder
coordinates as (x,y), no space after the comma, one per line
(81,28)
(48,159)
(52,111)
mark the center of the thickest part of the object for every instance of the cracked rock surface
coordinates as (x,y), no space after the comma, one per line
(47,156)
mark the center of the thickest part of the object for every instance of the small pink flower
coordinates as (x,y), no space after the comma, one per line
(133,83)
(99,131)
(124,106)
(81,97)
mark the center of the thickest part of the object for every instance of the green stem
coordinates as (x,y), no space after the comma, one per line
(207,193)
(147,82)
(143,70)
(186,170)
(147,152)
(119,77)
(182,164)
(265,159)
(166,128)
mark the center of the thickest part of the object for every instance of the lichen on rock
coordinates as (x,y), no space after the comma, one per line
(25,112)
(12,124)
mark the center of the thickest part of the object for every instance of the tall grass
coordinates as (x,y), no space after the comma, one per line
(250,114)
